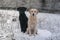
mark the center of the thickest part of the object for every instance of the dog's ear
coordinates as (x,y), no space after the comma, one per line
(29,11)
(37,11)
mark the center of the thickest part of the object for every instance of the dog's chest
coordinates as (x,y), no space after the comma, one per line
(32,20)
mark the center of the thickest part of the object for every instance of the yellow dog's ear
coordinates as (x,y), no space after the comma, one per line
(37,11)
(29,11)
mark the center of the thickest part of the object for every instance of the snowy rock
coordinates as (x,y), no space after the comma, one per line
(7,25)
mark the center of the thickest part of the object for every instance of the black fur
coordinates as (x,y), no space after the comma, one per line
(22,18)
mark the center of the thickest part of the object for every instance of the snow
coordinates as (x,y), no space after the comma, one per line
(50,22)
(48,26)
(7,26)
(42,35)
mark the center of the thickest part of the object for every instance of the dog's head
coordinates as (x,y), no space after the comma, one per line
(21,9)
(33,12)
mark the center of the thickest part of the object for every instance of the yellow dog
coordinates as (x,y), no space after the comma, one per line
(32,22)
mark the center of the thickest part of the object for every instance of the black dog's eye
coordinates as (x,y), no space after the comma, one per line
(14,19)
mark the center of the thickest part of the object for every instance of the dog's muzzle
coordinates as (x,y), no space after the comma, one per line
(33,14)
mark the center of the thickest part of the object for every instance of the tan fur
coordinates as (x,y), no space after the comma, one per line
(32,22)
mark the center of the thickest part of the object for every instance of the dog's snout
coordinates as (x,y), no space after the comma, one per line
(33,14)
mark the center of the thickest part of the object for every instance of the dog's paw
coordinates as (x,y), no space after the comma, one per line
(30,34)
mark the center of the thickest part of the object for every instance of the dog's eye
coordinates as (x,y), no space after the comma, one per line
(34,11)
(31,11)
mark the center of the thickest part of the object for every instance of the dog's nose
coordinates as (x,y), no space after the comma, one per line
(33,14)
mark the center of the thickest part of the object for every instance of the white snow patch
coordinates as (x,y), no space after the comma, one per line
(42,35)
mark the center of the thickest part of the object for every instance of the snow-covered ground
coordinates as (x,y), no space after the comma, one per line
(42,35)
(48,26)
(50,22)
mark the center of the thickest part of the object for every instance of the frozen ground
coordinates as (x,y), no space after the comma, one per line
(48,26)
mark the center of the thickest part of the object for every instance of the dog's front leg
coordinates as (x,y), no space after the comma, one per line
(29,28)
(29,32)
(35,31)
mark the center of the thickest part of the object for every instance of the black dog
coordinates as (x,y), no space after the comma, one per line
(22,18)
